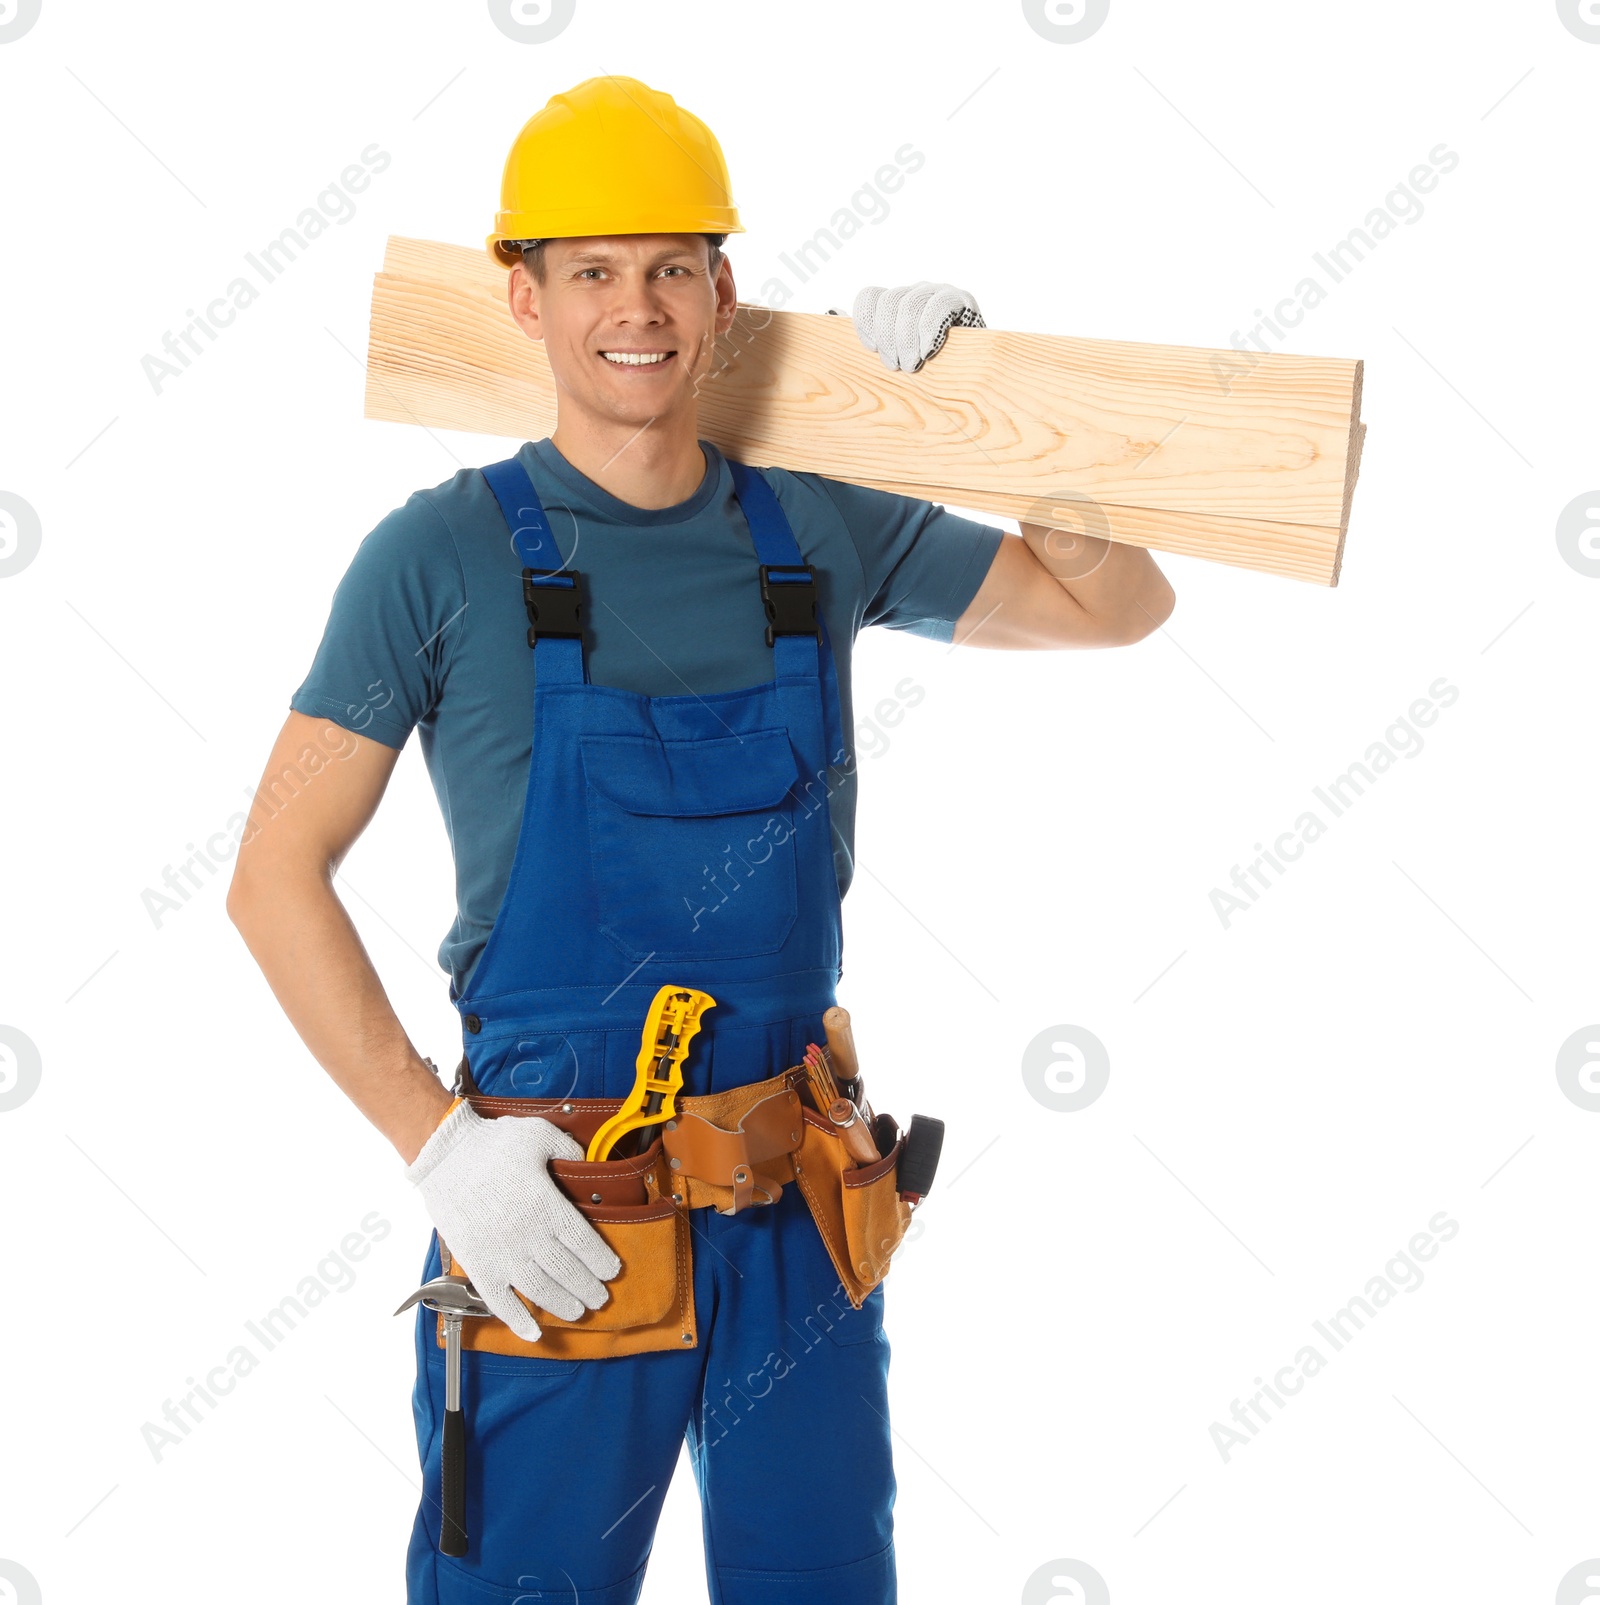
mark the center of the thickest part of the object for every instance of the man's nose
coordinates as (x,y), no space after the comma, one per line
(638,301)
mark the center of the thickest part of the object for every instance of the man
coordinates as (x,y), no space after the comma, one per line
(659,792)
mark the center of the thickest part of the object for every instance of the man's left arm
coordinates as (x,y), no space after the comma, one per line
(1047,588)
(1050,588)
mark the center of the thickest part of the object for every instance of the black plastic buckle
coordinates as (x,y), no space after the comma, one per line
(790,601)
(554,610)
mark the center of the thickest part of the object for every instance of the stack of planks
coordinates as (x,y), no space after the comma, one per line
(1243,458)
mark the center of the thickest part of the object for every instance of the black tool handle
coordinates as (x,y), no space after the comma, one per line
(919,1159)
(453,1486)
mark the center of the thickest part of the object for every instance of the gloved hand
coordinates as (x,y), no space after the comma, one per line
(906,326)
(488,1188)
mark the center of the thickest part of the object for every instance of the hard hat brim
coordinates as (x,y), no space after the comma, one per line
(591,221)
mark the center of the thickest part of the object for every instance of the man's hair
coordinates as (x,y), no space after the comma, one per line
(533,255)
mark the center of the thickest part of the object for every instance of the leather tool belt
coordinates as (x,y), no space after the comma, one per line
(727,1151)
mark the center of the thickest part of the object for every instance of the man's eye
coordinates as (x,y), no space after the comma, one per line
(584,273)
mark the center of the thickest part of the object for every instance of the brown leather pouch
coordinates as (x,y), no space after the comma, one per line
(652,1298)
(727,1150)
(857,1210)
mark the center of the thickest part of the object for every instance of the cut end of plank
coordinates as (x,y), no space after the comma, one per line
(1352,468)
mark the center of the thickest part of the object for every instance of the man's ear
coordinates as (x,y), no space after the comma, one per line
(522,295)
(727,297)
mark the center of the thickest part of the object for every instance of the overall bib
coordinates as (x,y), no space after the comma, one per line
(683,840)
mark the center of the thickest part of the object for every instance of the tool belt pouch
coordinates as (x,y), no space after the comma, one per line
(857,1208)
(652,1298)
(726,1151)
(729,1150)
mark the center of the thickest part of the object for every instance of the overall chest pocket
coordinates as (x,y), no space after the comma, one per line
(691,843)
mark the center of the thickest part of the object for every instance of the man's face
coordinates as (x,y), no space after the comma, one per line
(628,321)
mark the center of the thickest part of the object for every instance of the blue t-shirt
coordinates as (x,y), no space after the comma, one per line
(428,628)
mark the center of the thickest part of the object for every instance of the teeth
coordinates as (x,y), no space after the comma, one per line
(635,359)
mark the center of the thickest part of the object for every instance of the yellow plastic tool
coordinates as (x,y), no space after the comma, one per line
(673,1019)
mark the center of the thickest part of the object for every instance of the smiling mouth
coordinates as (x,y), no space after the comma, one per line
(638,359)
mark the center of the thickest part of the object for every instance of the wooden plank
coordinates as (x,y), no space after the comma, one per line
(1177,448)
(1298,551)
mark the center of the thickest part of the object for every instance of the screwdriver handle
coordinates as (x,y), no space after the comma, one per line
(841,1044)
(847,1121)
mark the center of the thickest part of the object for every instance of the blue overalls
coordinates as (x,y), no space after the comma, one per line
(679,839)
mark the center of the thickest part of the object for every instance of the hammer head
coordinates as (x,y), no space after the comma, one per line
(448,1295)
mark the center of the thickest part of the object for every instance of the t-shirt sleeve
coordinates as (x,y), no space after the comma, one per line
(388,641)
(923,563)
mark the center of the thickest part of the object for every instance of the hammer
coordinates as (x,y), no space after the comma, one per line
(455,1298)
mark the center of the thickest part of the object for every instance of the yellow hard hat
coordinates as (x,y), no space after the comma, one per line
(612,156)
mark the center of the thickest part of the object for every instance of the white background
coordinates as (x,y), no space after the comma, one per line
(1291,1098)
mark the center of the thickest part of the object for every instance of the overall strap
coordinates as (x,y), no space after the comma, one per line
(807,654)
(553,592)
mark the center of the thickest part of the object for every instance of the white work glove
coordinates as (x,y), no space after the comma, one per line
(907,325)
(488,1188)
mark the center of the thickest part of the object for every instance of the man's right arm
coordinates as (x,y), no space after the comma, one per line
(283,903)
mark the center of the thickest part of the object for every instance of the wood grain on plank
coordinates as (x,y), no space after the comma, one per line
(1243,460)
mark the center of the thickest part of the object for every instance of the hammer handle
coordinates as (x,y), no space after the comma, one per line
(453,1486)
